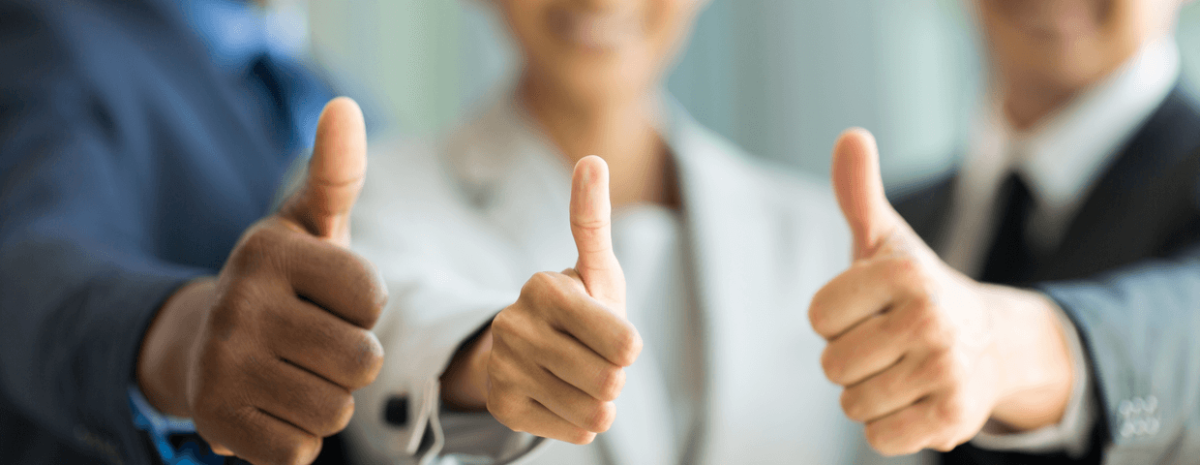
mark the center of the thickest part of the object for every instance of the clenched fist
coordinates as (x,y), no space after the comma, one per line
(264,357)
(927,355)
(552,362)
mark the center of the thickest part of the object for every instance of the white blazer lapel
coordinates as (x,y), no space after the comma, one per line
(763,243)
(641,433)
(727,240)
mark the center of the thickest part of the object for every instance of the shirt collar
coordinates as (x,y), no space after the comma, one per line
(1063,157)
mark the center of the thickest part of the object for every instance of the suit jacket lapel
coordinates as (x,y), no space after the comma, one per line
(1138,201)
(925,208)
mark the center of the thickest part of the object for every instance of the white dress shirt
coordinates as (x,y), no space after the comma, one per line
(1060,160)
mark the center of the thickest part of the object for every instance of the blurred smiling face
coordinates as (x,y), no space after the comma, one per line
(598,49)
(1069,43)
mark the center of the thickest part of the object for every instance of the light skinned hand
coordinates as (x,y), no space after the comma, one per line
(264,356)
(553,362)
(926,355)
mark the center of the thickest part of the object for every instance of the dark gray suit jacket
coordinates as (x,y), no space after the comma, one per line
(1128,274)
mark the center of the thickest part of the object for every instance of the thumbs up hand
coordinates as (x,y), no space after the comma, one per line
(926,355)
(552,362)
(265,356)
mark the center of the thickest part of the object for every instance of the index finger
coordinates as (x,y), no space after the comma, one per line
(867,288)
(596,326)
(336,279)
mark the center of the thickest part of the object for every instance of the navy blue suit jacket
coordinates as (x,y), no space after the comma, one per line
(129,164)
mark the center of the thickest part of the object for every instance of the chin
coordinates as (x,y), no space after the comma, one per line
(604,83)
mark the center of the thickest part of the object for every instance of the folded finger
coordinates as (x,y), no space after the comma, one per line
(572,404)
(318,341)
(303,399)
(595,325)
(893,389)
(904,432)
(870,286)
(259,437)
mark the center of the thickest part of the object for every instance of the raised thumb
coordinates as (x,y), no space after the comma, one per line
(859,190)
(335,173)
(591,225)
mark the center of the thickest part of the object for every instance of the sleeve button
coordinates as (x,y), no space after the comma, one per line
(395,412)
(1127,429)
(1125,408)
(1139,405)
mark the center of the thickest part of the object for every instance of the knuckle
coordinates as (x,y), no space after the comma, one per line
(945,368)
(628,344)
(504,407)
(886,445)
(513,322)
(601,417)
(500,382)
(234,307)
(368,359)
(612,381)
(950,410)
(904,266)
(877,437)
(821,311)
(832,365)
(851,405)
(501,370)
(376,289)
(538,285)
(503,322)
(558,294)
(580,437)
(301,451)
(929,330)
(342,413)
(818,318)
(257,248)
(922,307)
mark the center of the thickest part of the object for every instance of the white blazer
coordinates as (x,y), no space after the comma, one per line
(458,228)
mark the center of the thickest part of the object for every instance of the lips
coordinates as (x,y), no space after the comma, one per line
(595,31)
(1053,19)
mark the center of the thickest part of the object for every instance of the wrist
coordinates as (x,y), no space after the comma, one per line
(465,381)
(1033,358)
(165,356)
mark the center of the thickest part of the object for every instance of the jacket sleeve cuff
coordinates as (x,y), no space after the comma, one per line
(401,416)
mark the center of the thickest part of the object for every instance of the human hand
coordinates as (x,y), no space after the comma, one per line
(552,362)
(265,356)
(927,355)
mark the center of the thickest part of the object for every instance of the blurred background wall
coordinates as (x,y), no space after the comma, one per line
(779,77)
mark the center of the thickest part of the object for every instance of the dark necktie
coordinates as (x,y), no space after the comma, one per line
(1010,260)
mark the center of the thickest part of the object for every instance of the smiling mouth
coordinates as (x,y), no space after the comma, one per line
(594,31)
(1060,20)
